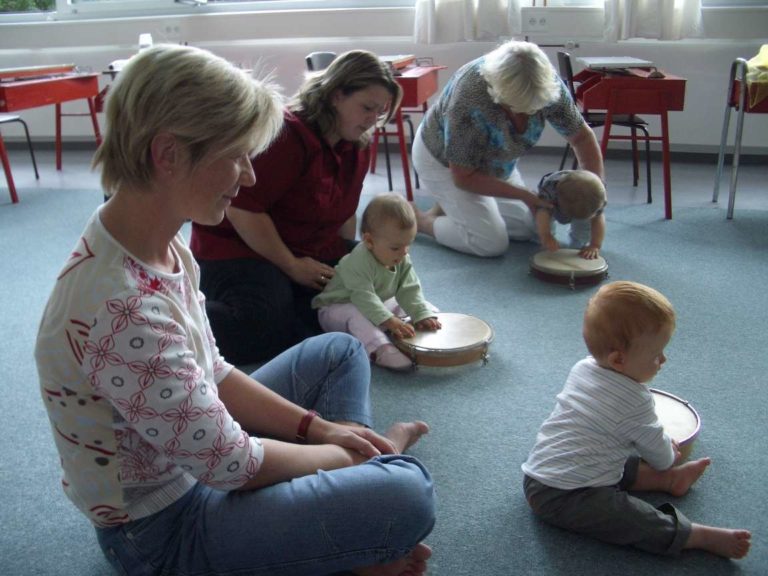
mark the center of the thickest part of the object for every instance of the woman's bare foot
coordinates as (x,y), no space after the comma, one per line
(425,221)
(405,434)
(412,564)
(685,475)
(721,541)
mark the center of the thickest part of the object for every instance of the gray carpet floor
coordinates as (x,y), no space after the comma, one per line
(483,417)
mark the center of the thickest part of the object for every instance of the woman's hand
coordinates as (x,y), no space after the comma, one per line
(309,272)
(534,202)
(430,324)
(398,328)
(360,440)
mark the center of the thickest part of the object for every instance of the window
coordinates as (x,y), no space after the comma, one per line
(732,3)
(75,9)
(26,6)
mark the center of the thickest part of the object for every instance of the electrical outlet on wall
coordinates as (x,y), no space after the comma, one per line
(170,31)
(536,23)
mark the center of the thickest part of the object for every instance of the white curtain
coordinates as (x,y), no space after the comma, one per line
(660,19)
(443,21)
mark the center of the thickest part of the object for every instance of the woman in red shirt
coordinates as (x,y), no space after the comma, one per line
(282,236)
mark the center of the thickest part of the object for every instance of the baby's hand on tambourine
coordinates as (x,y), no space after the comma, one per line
(589,252)
(398,328)
(676,450)
(430,324)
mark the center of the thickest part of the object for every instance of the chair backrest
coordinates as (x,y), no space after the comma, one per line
(566,71)
(319,60)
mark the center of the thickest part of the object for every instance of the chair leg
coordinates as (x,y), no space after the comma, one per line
(635,159)
(374,150)
(648,165)
(410,129)
(386,157)
(565,155)
(31,150)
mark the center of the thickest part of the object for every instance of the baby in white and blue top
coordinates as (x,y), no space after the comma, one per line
(578,198)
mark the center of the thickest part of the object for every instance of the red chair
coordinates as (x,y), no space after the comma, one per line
(382,132)
(597,119)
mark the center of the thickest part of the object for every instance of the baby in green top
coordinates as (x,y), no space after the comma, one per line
(376,284)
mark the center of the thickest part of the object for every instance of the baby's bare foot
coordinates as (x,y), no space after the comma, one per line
(412,564)
(685,475)
(405,434)
(721,541)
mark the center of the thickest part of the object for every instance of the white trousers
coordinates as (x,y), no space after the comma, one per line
(474,224)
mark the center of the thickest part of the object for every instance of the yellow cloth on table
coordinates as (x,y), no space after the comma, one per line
(757,77)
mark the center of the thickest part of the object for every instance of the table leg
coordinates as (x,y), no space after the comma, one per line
(7,169)
(606,135)
(721,152)
(94,120)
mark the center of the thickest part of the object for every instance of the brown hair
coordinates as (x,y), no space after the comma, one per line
(387,208)
(349,72)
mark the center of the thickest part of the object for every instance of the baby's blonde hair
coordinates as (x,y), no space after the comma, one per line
(580,194)
(387,208)
(622,311)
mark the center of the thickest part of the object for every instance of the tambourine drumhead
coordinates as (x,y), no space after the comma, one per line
(565,266)
(681,422)
(461,340)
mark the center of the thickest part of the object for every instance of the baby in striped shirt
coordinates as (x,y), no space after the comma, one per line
(603,439)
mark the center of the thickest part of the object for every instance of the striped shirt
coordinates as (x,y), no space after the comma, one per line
(600,419)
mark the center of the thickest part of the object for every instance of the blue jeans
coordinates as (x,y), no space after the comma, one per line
(319,524)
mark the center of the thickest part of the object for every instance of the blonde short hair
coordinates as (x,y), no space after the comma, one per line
(387,208)
(580,194)
(521,77)
(620,312)
(349,72)
(209,105)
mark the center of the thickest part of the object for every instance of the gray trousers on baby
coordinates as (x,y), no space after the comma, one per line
(611,514)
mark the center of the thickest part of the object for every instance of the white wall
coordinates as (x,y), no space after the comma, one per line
(279,41)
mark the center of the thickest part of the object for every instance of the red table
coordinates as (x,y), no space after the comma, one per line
(419,83)
(22,88)
(633,91)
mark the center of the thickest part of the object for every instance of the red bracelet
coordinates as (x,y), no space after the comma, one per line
(306,420)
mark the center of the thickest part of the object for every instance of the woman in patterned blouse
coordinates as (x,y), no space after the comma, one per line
(183,463)
(491,112)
